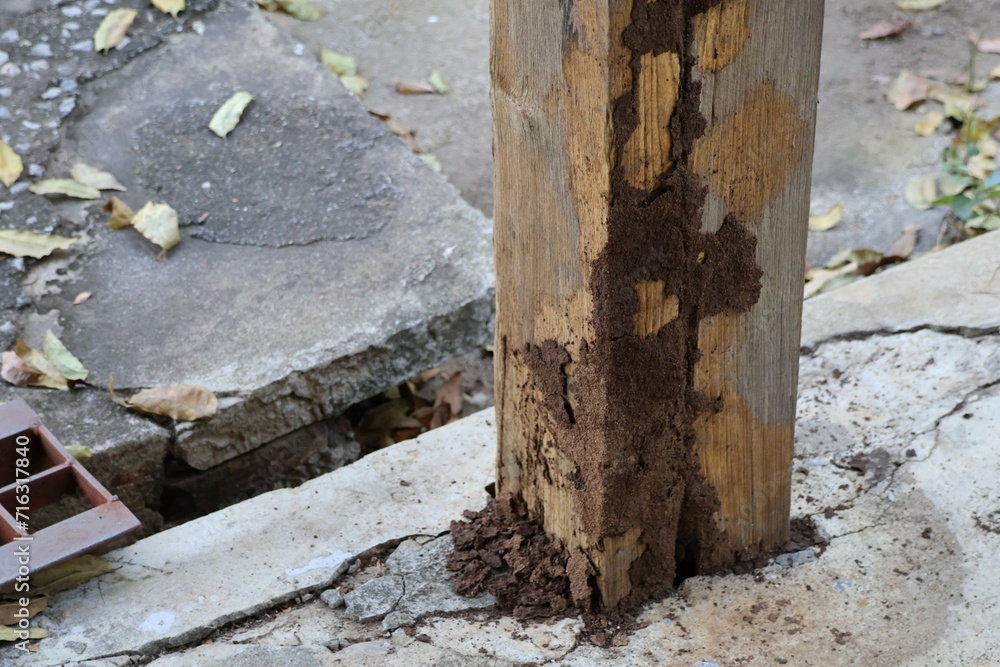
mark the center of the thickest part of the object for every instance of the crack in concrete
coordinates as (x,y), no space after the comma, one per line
(968,333)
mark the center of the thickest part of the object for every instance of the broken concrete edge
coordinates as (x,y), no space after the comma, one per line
(897,300)
(306,397)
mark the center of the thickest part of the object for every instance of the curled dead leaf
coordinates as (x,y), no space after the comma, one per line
(66,187)
(929,123)
(356,84)
(921,192)
(69,574)
(31,244)
(49,375)
(887,28)
(827,221)
(411,88)
(180,402)
(228,115)
(338,63)
(158,223)
(172,7)
(906,90)
(121,214)
(16,372)
(905,244)
(11,612)
(94,177)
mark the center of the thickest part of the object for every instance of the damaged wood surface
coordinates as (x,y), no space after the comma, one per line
(652,190)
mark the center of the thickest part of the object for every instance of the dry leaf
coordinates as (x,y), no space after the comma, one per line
(356,84)
(8,610)
(49,375)
(303,10)
(948,96)
(113,28)
(827,221)
(8,634)
(378,113)
(81,297)
(94,177)
(431,161)
(31,244)
(886,29)
(68,365)
(906,90)
(410,88)
(121,214)
(10,164)
(921,192)
(929,123)
(68,574)
(338,63)
(158,223)
(79,452)
(16,372)
(228,116)
(437,83)
(65,186)
(987,44)
(905,244)
(995,72)
(450,394)
(172,7)
(919,5)
(181,402)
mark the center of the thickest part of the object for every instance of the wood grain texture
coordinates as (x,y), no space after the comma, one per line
(652,191)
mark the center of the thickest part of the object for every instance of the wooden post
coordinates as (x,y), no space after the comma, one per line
(652,192)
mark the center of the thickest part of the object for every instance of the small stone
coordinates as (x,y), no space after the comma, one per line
(9,69)
(35,170)
(9,36)
(795,559)
(6,92)
(374,599)
(41,50)
(85,45)
(333,598)
(51,93)
(31,125)
(5,113)
(38,65)
(4,57)
(67,105)
(71,11)
(397,619)
(68,85)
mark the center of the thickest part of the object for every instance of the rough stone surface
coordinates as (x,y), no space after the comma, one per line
(223,655)
(333,598)
(374,599)
(127,451)
(177,586)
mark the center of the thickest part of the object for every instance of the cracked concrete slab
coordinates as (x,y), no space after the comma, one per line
(297,290)
(280,545)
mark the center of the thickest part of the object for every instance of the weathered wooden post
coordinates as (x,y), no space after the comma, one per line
(652,191)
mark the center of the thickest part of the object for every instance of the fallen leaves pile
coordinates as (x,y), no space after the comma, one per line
(401,413)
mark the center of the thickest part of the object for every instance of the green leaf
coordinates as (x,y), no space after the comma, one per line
(962,207)
(993,180)
(437,83)
(79,452)
(68,365)
(228,116)
(303,10)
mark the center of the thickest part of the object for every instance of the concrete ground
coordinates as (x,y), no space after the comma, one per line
(895,463)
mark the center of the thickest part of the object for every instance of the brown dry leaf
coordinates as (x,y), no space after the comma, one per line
(10,612)
(69,574)
(121,214)
(11,165)
(905,244)
(113,29)
(411,88)
(827,221)
(450,394)
(929,123)
(180,402)
(81,297)
(906,90)
(886,29)
(94,177)
(16,372)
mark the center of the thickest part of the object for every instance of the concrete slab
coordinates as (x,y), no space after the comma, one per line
(282,544)
(332,262)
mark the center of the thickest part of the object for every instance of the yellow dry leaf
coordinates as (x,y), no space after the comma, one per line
(995,72)
(980,167)
(906,90)
(113,29)
(172,7)
(827,221)
(182,402)
(228,116)
(920,192)
(158,223)
(303,10)
(69,574)
(9,634)
(929,123)
(94,177)
(338,63)
(64,360)
(66,187)
(431,161)
(49,375)
(437,83)
(31,244)
(10,164)
(356,84)
(919,5)
(81,297)
(79,452)
(121,214)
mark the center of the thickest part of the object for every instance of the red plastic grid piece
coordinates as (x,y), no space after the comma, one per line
(50,474)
